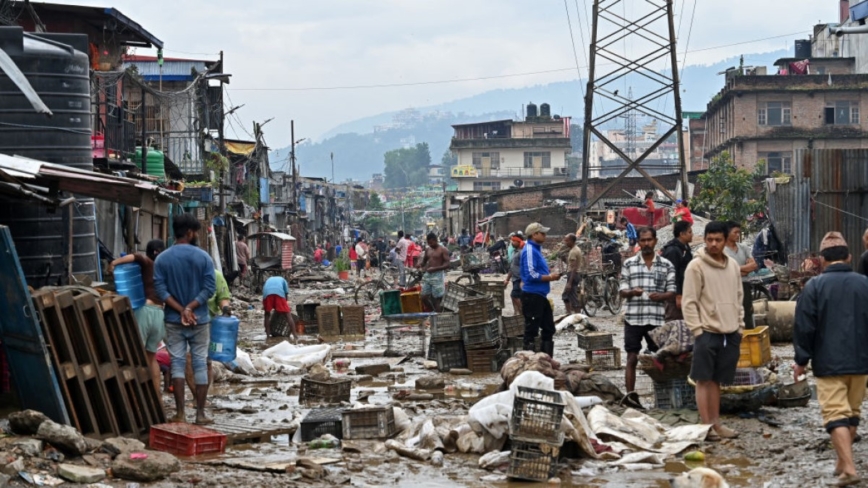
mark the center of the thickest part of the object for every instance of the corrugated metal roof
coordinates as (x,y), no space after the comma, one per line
(174,69)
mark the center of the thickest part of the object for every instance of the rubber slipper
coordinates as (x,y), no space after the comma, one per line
(846,480)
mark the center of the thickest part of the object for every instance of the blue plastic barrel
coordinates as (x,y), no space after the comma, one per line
(128,281)
(224,336)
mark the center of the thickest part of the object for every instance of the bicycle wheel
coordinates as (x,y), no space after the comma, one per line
(588,290)
(759,292)
(468,279)
(369,292)
(613,295)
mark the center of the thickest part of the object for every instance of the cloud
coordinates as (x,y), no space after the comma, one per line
(324,43)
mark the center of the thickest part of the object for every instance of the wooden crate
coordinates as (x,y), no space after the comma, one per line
(411,302)
(593,341)
(369,423)
(477,310)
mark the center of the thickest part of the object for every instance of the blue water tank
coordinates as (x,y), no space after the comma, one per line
(128,281)
(224,336)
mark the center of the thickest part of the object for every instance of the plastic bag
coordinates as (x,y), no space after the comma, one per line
(298,356)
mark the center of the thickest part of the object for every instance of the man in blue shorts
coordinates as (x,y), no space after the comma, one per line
(434,265)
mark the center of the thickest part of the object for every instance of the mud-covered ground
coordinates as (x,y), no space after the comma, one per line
(795,454)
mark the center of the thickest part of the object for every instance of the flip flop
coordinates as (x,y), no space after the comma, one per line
(712,436)
(846,480)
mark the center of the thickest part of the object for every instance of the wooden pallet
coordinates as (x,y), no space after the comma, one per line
(72,376)
(95,347)
(133,370)
(240,432)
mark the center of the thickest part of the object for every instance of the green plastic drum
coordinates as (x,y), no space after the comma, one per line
(390,302)
(156,165)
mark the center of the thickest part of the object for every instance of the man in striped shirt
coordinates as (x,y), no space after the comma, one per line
(647,282)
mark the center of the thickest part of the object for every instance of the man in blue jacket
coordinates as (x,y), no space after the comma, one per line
(830,332)
(184,279)
(535,279)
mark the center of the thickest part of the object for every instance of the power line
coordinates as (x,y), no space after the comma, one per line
(573,44)
(689,33)
(482,78)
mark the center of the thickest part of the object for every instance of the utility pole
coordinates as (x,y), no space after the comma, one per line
(222,148)
(654,30)
(292,162)
(144,134)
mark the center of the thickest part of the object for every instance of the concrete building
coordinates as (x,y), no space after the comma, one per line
(758,117)
(604,162)
(503,154)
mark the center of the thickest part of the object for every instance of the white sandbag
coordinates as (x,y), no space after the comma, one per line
(494,419)
(494,459)
(471,442)
(243,363)
(220,372)
(588,401)
(428,438)
(298,356)
(402,420)
(579,321)
(265,365)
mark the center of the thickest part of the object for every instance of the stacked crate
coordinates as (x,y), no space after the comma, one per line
(535,434)
(480,332)
(447,347)
(599,352)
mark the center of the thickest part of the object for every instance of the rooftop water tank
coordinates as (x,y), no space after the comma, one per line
(545,110)
(57,67)
(531,110)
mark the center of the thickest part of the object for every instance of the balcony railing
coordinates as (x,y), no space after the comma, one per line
(517,173)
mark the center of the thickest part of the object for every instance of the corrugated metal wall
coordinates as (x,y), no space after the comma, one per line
(829,191)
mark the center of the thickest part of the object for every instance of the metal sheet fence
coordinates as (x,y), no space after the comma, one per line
(828,191)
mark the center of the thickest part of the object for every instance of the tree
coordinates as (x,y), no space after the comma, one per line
(407,167)
(727,192)
(374,203)
(577,136)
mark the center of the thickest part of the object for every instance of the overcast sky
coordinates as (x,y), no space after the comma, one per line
(272,44)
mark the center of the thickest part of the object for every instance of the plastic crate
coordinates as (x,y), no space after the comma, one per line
(328,319)
(475,260)
(483,360)
(186,439)
(353,320)
(481,336)
(411,302)
(756,348)
(455,293)
(369,423)
(537,415)
(514,344)
(405,340)
(477,310)
(606,358)
(307,311)
(532,461)
(333,391)
(513,326)
(495,290)
(448,355)
(321,421)
(747,377)
(593,341)
(390,302)
(445,327)
(674,394)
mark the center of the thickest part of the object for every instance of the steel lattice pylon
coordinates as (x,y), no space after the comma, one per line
(645,30)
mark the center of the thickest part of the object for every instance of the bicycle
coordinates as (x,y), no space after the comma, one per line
(592,293)
(388,280)
(612,292)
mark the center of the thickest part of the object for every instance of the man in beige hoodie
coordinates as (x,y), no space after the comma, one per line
(713,310)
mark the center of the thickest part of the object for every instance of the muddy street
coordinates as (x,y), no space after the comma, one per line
(794,453)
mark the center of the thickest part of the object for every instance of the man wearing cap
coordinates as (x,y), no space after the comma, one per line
(831,331)
(535,279)
(514,275)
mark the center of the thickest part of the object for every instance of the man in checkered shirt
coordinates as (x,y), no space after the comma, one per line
(647,282)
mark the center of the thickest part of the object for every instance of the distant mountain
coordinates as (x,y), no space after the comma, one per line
(358,146)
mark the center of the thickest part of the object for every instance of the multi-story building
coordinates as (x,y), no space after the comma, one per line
(503,154)
(606,163)
(765,118)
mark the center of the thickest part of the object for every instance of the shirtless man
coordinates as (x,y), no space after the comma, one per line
(434,265)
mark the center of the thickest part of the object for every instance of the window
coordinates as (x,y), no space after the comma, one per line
(545,159)
(542,182)
(842,113)
(774,114)
(493,156)
(486,185)
(781,162)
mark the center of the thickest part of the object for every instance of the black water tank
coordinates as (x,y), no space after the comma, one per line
(545,110)
(803,48)
(531,110)
(60,74)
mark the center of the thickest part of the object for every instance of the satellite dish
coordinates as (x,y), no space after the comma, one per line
(518,183)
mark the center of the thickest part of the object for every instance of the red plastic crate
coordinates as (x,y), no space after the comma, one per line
(186,439)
